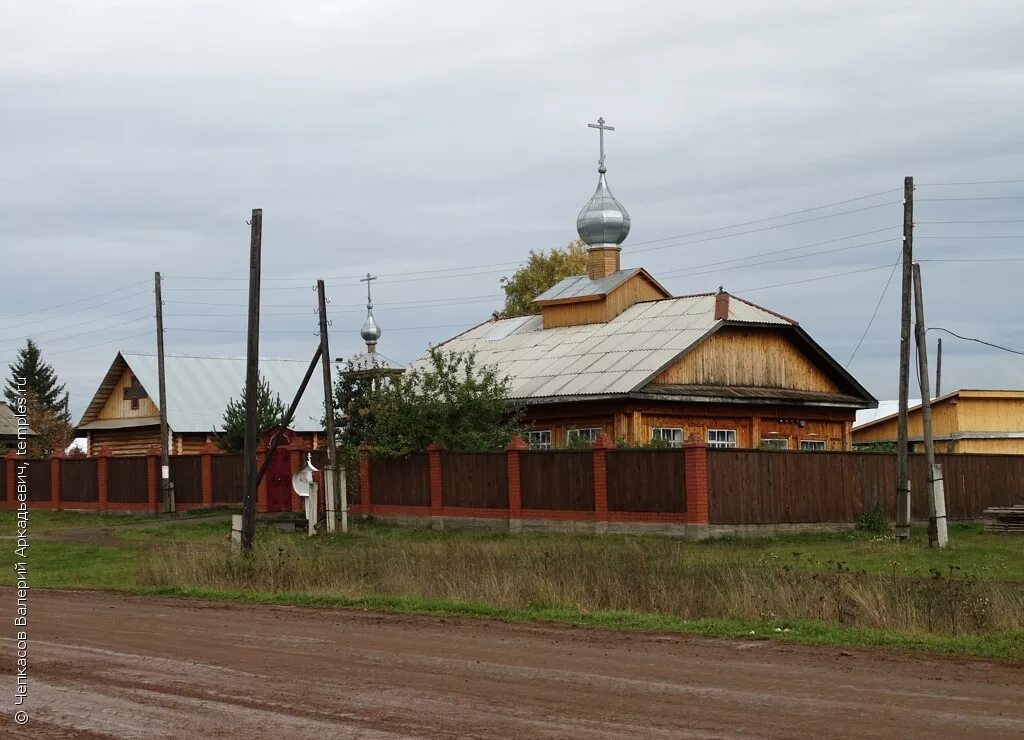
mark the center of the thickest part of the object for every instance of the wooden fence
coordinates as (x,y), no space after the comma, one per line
(777,487)
(108,483)
(692,486)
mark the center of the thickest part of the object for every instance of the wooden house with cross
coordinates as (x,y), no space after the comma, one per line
(613,352)
(124,417)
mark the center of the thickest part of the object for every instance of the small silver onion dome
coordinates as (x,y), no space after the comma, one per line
(370,331)
(603,219)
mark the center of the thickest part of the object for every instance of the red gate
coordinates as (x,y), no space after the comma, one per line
(279,474)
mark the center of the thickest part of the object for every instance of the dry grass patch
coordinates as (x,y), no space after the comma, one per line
(641,575)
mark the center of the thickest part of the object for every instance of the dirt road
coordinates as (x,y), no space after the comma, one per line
(105,665)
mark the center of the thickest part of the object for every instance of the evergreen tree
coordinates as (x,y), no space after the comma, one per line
(40,381)
(270,410)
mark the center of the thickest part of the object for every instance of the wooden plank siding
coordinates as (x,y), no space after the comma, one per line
(474,479)
(601,310)
(646,480)
(127,480)
(760,358)
(557,479)
(118,407)
(79,481)
(401,481)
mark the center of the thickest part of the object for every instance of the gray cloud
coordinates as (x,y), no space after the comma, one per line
(403,137)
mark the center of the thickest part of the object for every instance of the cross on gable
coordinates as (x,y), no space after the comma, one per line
(134,392)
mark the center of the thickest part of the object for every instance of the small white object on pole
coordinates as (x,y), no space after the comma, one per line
(304,484)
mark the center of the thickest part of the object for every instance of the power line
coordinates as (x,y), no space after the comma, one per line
(100,344)
(982,197)
(977,259)
(781,259)
(301,331)
(758,230)
(976,182)
(630,247)
(814,279)
(979,341)
(86,308)
(982,221)
(80,323)
(83,333)
(875,312)
(769,218)
(80,300)
(783,251)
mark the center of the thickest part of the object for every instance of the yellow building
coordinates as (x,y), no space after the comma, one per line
(970,421)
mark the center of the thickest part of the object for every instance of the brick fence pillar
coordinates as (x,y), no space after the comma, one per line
(55,459)
(600,447)
(261,489)
(695,463)
(102,478)
(11,489)
(434,453)
(297,451)
(206,472)
(153,479)
(365,485)
(515,491)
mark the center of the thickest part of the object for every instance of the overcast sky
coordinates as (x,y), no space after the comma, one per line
(402,137)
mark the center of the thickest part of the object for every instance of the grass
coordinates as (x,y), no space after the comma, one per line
(849,588)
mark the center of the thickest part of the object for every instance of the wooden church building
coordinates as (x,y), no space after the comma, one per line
(614,352)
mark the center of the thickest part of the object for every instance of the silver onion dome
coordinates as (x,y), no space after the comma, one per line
(370,331)
(603,219)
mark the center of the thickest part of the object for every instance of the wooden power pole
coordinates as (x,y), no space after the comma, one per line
(937,536)
(252,379)
(938,370)
(332,490)
(902,461)
(166,492)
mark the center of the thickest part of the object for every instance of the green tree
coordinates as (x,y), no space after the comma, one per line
(40,381)
(450,400)
(542,271)
(352,413)
(270,410)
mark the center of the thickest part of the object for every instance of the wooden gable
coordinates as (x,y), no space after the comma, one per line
(128,400)
(747,356)
(600,309)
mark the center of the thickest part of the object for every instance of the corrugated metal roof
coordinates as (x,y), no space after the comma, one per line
(609,358)
(372,361)
(580,286)
(199,388)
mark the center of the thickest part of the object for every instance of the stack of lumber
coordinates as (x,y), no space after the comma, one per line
(1004,519)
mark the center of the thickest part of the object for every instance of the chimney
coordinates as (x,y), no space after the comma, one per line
(721,305)
(602,261)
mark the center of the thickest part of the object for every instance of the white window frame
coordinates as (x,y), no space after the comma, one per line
(728,438)
(775,443)
(674,438)
(536,440)
(587,434)
(813,445)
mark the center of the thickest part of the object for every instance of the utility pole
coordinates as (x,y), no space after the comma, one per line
(902,462)
(330,491)
(938,370)
(252,375)
(937,536)
(166,492)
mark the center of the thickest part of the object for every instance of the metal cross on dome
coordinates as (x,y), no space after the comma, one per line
(601,129)
(368,279)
